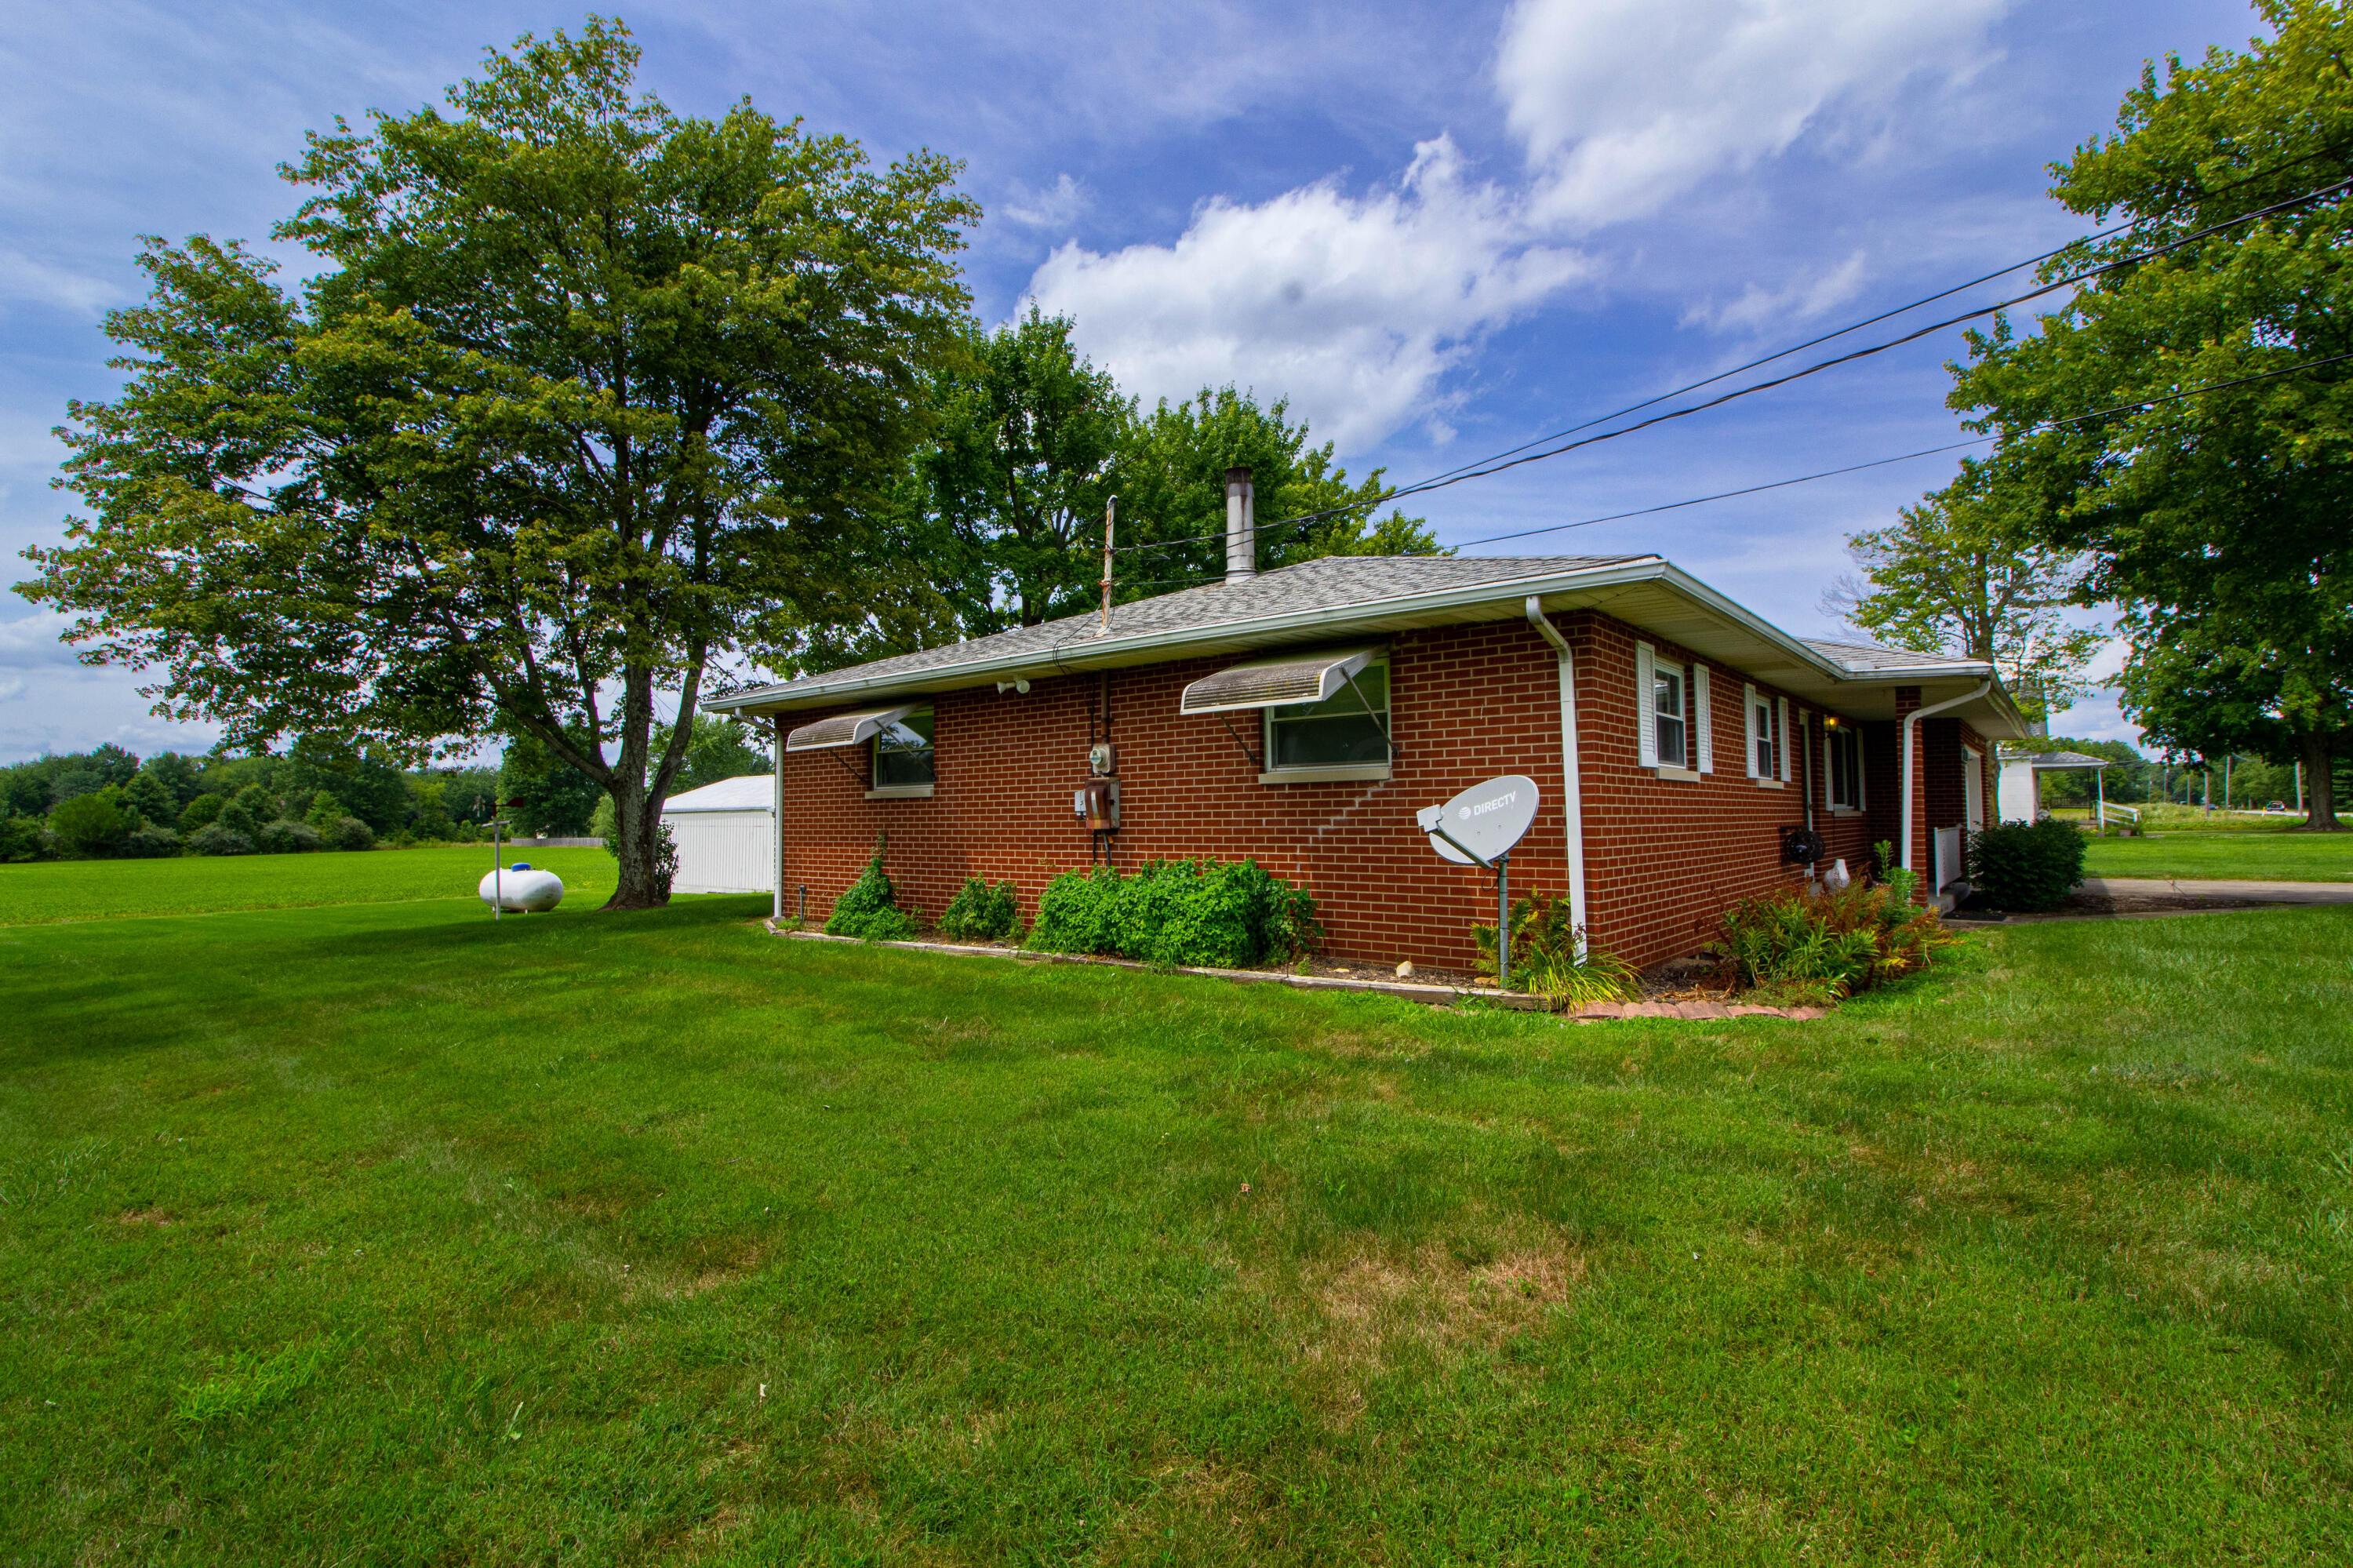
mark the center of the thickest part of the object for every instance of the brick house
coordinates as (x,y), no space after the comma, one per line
(1299,716)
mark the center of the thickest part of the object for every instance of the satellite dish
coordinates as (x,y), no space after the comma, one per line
(1483,822)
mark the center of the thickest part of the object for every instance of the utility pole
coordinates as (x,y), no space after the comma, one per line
(1111,513)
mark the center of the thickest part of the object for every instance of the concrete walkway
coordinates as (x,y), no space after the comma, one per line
(2230,891)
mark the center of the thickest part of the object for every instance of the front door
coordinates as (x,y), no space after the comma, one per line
(1973,787)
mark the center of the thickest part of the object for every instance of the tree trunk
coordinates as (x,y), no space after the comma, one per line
(2319,789)
(637,844)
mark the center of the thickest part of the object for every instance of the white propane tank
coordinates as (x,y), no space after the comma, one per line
(520,890)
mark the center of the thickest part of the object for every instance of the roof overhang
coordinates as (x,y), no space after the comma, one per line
(1648,592)
(844,730)
(2055,761)
(1274,682)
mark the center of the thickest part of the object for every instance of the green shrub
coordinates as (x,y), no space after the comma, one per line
(148,841)
(325,813)
(979,912)
(868,907)
(24,838)
(287,836)
(92,826)
(220,839)
(1820,946)
(201,812)
(1214,916)
(2027,867)
(350,834)
(239,818)
(1546,962)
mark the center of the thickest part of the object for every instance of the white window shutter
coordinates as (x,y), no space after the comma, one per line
(1749,727)
(1781,736)
(1701,716)
(1858,801)
(1826,802)
(1646,727)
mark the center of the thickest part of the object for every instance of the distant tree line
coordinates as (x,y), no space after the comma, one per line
(2244,780)
(108,803)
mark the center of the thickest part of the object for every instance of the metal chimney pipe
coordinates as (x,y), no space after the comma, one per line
(1242,527)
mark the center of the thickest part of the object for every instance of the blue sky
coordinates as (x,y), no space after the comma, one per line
(1438,229)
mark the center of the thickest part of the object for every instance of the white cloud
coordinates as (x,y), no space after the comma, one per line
(1623,105)
(25,280)
(1056,207)
(31,641)
(1801,300)
(1354,307)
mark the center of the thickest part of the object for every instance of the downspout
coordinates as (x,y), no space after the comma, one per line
(1904,770)
(777,815)
(1572,791)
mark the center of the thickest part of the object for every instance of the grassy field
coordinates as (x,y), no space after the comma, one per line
(2275,855)
(2164,816)
(383,1235)
(100,890)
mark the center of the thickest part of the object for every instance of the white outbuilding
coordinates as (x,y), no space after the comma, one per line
(726,835)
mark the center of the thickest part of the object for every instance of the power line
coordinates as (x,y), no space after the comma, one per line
(1924,451)
(1512,458)
(1071,637)
(2107,233)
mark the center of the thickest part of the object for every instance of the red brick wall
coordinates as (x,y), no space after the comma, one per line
(1664,857)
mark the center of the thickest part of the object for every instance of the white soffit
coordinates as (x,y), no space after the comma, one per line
(844,730)
(1274,682)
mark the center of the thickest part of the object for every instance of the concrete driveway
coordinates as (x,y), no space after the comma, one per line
(2221,890)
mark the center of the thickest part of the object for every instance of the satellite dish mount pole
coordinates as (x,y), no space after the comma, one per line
(1503,922)
(1502,866)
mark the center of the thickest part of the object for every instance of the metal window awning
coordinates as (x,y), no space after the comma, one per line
(1274,682)
(844,730)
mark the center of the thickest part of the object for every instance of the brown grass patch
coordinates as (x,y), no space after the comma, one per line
(159,1218)
(1196,1512)
(1368,1310)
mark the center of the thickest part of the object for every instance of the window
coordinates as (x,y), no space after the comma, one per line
(1843,783)
(1347,729)
(1764,737)
(1667,720)
(903,751)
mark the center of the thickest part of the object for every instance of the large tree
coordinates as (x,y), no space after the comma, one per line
(1964,572)
(1023,466)
(583,392)
(1172,483)
(2217,516)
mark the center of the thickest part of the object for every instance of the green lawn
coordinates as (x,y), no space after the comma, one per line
(2272,856)
(385,1234)
(98,890)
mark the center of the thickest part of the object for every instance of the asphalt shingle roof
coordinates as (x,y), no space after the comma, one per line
(1331,582)
(1862,656)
